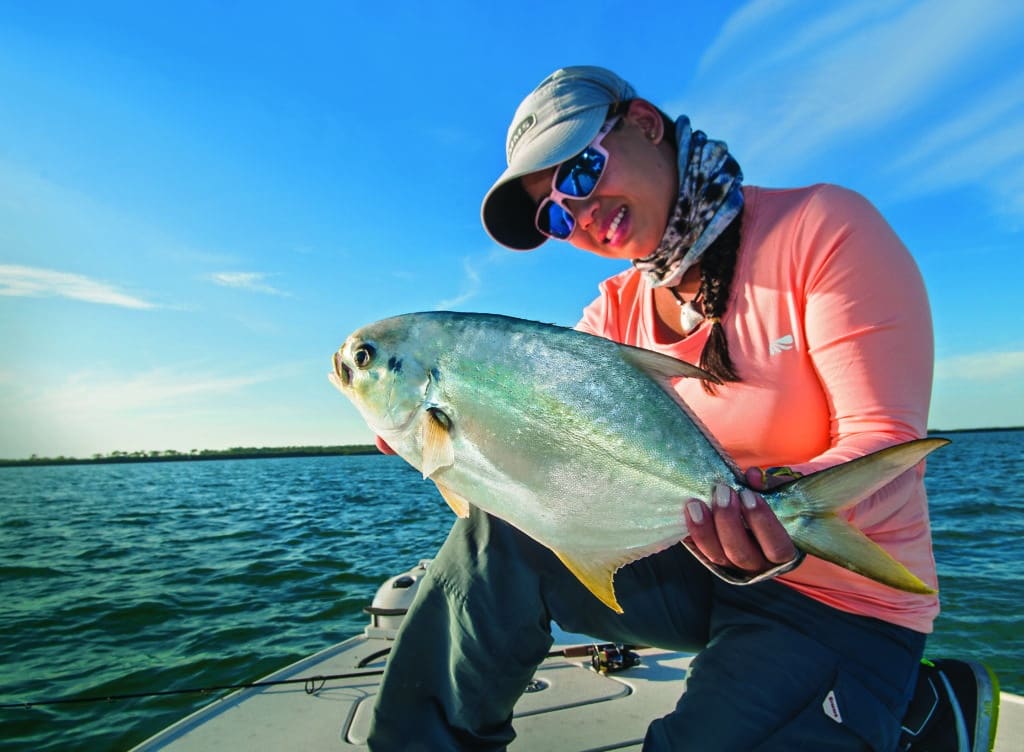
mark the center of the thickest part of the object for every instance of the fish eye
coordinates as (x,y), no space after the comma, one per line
(363,356)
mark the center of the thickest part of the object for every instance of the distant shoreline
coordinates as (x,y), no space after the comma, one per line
(258,453)
(933,431)
(235,453)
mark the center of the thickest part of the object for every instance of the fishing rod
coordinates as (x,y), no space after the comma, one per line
(604,658)
(312,685)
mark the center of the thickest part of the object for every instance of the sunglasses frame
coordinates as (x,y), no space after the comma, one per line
(558,197)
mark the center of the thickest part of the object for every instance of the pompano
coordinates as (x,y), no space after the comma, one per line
(581,442)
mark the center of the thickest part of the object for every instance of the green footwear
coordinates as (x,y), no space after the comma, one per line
(955,708)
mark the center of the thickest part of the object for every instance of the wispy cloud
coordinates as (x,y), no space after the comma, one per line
(981,143)
(251,281)
(986,367)
(852,71)
(741,26)
(115,392)
(104,408)
(470,283)
(33,282)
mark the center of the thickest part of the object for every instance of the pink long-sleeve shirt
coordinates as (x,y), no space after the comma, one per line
(829,327)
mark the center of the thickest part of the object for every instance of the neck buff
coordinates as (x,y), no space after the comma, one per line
(710,197)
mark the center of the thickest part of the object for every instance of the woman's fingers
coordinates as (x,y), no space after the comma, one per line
(739,530)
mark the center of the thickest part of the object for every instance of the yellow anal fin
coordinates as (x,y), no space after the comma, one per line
(438,452)
(597,577)
(459,505)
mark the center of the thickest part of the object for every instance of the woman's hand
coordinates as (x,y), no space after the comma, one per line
(739,530)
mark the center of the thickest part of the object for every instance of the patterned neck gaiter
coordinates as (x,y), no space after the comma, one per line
(710,197)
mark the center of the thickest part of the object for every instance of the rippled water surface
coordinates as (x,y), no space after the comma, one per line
(133,578)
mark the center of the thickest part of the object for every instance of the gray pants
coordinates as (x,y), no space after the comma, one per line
(768,656)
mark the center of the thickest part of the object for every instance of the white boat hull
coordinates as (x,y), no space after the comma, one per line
(570,708)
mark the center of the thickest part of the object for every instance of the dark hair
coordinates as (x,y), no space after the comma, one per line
(717,266)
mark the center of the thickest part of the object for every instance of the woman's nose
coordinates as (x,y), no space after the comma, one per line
(585,212)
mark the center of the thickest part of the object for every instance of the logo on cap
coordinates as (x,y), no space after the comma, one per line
(517,133)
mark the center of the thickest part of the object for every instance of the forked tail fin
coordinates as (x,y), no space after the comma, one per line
(809,505)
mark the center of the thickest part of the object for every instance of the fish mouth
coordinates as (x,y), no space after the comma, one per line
(341,371)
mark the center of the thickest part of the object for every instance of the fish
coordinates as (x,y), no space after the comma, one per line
(582,443)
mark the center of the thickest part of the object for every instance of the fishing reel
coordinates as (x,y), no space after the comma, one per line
(608,658)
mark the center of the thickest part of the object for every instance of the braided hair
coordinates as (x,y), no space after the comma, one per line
(717,266)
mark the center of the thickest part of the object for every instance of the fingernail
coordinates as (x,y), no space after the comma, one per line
(723,495)
(696,510)
(749,498)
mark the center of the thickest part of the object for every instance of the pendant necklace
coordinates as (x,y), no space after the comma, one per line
(689,317)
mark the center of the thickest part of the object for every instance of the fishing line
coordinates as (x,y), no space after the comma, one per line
(312,685)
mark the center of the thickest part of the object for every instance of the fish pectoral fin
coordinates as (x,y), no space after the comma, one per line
(835,540)
(597,576)
(459,505)
(660,367)
(438,452)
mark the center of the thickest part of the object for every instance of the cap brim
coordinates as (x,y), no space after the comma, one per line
(507,211)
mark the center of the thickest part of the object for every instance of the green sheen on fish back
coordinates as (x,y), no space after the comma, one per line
(580,442)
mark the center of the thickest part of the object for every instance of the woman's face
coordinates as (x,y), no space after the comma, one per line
(626,215)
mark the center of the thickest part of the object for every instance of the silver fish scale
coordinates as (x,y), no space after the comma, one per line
(580,442)
(575,438)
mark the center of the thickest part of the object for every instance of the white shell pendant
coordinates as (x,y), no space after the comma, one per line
(689,317)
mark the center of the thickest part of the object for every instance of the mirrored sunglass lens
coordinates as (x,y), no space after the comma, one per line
(578,176)
(555,221)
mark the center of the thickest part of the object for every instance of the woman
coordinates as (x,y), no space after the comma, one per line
(813,316)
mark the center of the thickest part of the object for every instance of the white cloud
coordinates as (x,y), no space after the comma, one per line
(855,71)
(978,390)
(32,282)
(251,281)
(470,284)
(100,410)
(981,142)
(982,367)
(159,387)
(746,23)
(97,395)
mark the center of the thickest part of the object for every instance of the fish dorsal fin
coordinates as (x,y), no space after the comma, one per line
(438,452)
(459,505)
(661,367)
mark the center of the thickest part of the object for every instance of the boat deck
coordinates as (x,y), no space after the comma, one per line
(569,707)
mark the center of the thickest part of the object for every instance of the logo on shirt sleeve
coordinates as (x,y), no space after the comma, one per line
(781,345)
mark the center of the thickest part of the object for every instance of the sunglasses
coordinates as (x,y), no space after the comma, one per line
(575,178)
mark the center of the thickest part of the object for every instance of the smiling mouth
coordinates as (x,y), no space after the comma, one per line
(614,225)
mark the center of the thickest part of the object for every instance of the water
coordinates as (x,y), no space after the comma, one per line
(133,578)
(130,578)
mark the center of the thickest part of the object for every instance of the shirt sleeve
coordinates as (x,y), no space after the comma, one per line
(867,324)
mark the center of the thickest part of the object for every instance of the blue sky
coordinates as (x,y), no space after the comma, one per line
(199,201)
